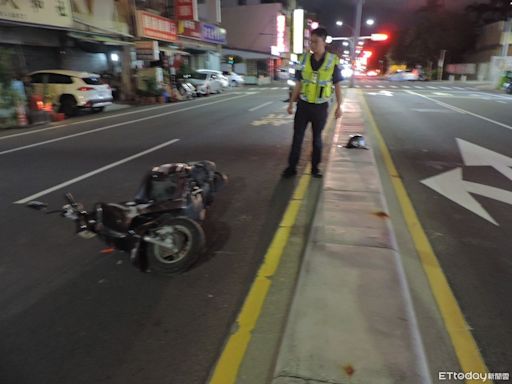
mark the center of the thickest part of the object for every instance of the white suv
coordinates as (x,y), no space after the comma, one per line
(70,90)
(219,76)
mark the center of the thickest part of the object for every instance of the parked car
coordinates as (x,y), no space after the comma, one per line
(283,74)
(234,79)
(205,83)
(220,77)
(507,82)
(508,88)
(72,90)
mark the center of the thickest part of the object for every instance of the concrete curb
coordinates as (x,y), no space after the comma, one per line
(351,320)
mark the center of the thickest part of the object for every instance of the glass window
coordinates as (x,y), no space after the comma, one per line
(38,78)
(59,79)
(92,80)
(199,76)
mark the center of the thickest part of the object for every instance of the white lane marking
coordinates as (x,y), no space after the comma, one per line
(81,122)
(138,110)
(252,89)
(501,101)
(406,86)
(368,86)
(430,87)
(261,106)
(445,87)
(393,86)
(463,111)
(493,95)
(433,110)
(115,125)
(459,88)
(274,88)
(380,86)
(417,87)
(95,172)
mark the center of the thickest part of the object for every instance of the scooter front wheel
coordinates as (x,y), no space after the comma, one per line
(175,245)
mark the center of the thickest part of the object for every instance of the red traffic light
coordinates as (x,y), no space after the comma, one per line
(379,36)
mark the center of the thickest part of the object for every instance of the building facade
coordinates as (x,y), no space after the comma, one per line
(258,39)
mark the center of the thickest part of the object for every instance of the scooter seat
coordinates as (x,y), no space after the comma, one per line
(116,217)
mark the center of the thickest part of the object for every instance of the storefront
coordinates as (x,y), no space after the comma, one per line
(203,42)
(257,67)
(90,36)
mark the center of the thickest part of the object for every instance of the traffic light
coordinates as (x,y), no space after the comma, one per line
(231,60)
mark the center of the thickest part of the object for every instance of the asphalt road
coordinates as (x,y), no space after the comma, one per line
(71,314)
(451,145)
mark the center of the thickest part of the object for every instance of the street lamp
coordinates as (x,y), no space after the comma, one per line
(339,23)
(370,22)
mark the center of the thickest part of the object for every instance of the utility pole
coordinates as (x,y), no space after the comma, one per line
(506,37)
(355,38)
(440,64)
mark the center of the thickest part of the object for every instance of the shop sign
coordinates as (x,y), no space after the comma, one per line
(105,15)
(281,29)
(213,33)
(186,9)
(48,12)
(189,28)
(147,50)
(155,27)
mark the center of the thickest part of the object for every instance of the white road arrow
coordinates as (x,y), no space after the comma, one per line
(451,185)
(475,155)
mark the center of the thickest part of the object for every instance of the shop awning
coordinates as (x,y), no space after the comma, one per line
(172,51)
(99,39)
(248,55)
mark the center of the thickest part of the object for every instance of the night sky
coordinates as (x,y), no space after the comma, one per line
(388,15)
(385,12)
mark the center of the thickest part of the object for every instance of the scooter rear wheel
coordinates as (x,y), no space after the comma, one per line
(184,239)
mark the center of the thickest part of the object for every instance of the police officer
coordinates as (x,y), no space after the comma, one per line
(314,77)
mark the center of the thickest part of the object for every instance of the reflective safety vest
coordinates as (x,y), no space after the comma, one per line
(317,85)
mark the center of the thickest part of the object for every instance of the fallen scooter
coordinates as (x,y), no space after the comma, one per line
(160,228)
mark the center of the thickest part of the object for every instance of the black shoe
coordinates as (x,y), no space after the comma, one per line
(316,173)
(289,172)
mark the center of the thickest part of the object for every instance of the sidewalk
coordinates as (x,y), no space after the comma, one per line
(351,319)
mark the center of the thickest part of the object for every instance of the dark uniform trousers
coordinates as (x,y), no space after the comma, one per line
(316,114)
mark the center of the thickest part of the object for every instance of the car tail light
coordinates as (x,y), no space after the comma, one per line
(85,89)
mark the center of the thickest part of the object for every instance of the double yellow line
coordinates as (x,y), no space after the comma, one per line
(466,349)
(227,367)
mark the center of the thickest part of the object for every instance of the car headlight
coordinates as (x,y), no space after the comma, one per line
(291,83)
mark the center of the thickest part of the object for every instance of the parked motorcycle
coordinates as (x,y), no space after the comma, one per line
(508,88)
(186,89)
(160,228)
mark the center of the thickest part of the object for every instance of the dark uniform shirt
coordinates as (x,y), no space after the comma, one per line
(316,64)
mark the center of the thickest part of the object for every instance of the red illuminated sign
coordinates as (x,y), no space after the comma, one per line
(156,27)
(186,9)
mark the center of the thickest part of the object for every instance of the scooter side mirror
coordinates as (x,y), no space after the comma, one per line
(37,205)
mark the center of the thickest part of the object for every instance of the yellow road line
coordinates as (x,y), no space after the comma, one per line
(466,349)
(227,367)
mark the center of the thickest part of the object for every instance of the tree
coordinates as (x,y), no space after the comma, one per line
(428,31)
(491,12)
